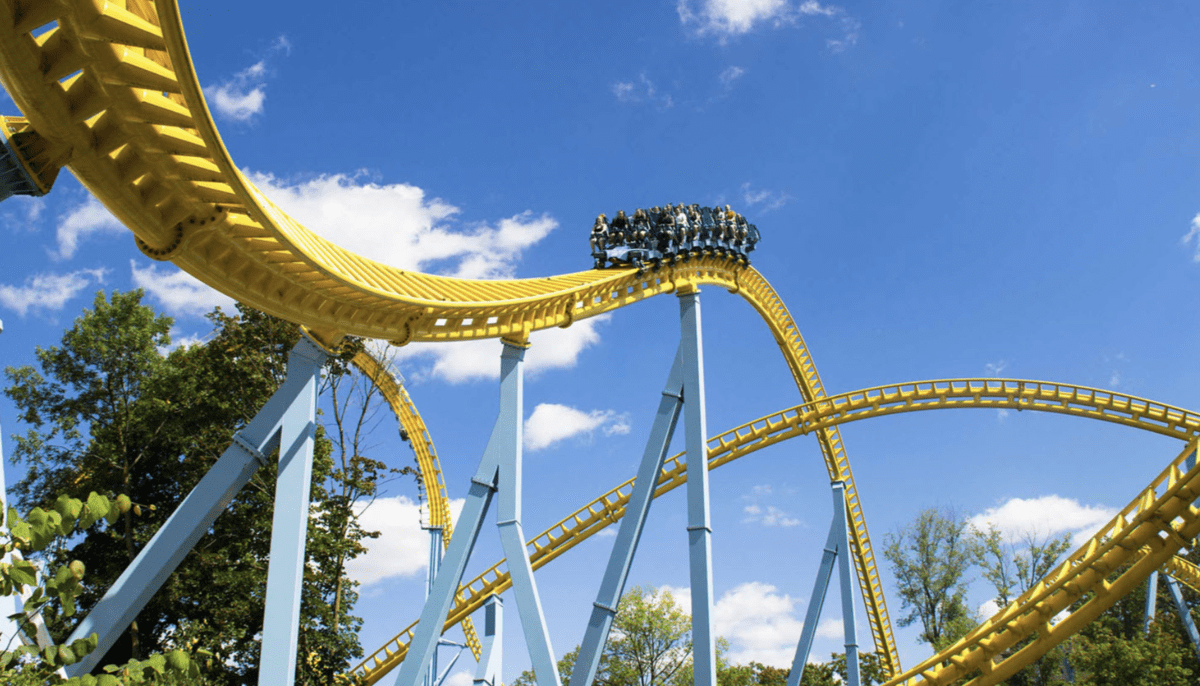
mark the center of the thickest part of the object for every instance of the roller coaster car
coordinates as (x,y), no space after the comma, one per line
(655,236)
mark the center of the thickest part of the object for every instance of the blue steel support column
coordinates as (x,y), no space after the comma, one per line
(196,514)
(704,654)
(1151,600)
(435,563)
(492,658)
(815,602)
(483,486)
(508,515)
(289,530)
(1185,615)
(630,532)
(846,581)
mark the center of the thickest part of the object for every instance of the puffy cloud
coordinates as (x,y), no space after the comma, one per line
(1047,515)
(244,95)
(473,360)
(177,291)
(730,74)
(47,292)
(402,548)
(551,423)
(397,225)
(86,219)
(758,621)
(725,18)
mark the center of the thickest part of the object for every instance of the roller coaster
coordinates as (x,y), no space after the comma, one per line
(108,89)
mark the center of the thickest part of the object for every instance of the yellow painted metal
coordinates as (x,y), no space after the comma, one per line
(1016,394)
(112,83)
(427,460)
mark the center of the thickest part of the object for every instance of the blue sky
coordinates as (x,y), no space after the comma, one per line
(943,190)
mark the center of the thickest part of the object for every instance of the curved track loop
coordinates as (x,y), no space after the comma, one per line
(1016,394)
(114,82)
(427,460)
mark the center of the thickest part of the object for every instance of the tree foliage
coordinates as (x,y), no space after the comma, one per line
(39,589)
(110,410)
(930,559)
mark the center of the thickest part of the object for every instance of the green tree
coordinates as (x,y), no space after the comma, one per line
(1105,657)
(1014,567)
(110,412)
(650,644)
(930,558)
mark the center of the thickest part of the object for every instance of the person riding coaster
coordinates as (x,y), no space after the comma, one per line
(670,233)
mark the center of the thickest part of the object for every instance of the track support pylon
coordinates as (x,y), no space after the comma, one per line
(491,660)
(691,345)
(499,474)
(837,548)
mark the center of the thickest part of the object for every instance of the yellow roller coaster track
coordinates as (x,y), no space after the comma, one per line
(113,84)
(1015,394)
(109,86)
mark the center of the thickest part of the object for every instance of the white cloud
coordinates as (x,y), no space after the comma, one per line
(727,18)
(460,678)
(1047,515)
(180,340)
(244,95)
(551,423)
(642,90)
(759,624)
(1194,233)
(177,291)
(995,368)
(730,74)
(82,221)
(763,200)
(397,225)
(472,360)
(758,621)
(758,512)
(47,292)
(989,608)
(402,548)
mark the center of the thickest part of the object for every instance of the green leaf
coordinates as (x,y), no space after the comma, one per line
(178,661)
(66,656)
(23,572)
(97,507)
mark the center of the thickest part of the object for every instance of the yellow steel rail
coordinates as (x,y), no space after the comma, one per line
(427,460)
(1016,394)
(113,83)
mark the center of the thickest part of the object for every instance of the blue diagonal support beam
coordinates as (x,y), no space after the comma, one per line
(1185,614)
(1151,601)
(837,549)
(196,514)
(704,653)
(604,610)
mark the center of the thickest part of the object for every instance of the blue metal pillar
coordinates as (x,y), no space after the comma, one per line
(837,548)
(604,610)
(500,465)
(704,653)
(846,581)
(1185,614)
(196,514)
(492,658)
(289,530)
(1151,600)
(435,563)
(508,520)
